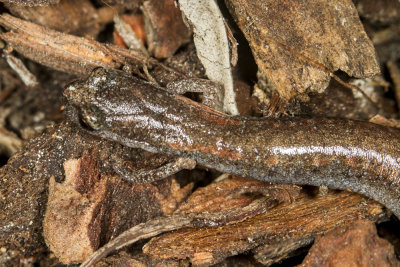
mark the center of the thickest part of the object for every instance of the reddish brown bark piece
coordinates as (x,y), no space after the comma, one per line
(71,226)
(226,201)
(294,42)
(85,207)
(72,16)
(235,193)
(300,220)
(354,245)
(164,27)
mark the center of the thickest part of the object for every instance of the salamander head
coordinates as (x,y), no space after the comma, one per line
(109,99)
(85,101)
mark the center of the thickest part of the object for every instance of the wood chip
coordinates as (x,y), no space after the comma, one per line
(55,49)
(24,184)
(71,226)
(300,220)
(357,244)
(64,52)
(72,16)
(378,119)
(235,193)
(297,44)
(164,27)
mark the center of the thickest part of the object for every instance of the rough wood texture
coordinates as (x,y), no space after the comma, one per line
(164,27)
(69,16)
(295,42)
(24,190)
(71,226)
(77,55)
(64,52)
(86,208)
(301,221)
(235,193)
(357,244)
(269,254)
(55,49)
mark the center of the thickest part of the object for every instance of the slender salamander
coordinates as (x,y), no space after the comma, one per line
(342,154)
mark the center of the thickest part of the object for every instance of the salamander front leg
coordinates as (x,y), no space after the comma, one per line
(148,176)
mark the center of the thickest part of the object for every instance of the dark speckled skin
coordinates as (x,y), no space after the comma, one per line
(360,156)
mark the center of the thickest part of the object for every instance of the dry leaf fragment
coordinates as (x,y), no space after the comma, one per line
(296,44)
(212,46)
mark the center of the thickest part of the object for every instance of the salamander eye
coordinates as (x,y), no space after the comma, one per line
(91,118)
(97,72)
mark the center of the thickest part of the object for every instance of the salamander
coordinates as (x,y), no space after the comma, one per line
(338,153)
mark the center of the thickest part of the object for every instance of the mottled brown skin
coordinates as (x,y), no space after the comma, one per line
(341,154)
